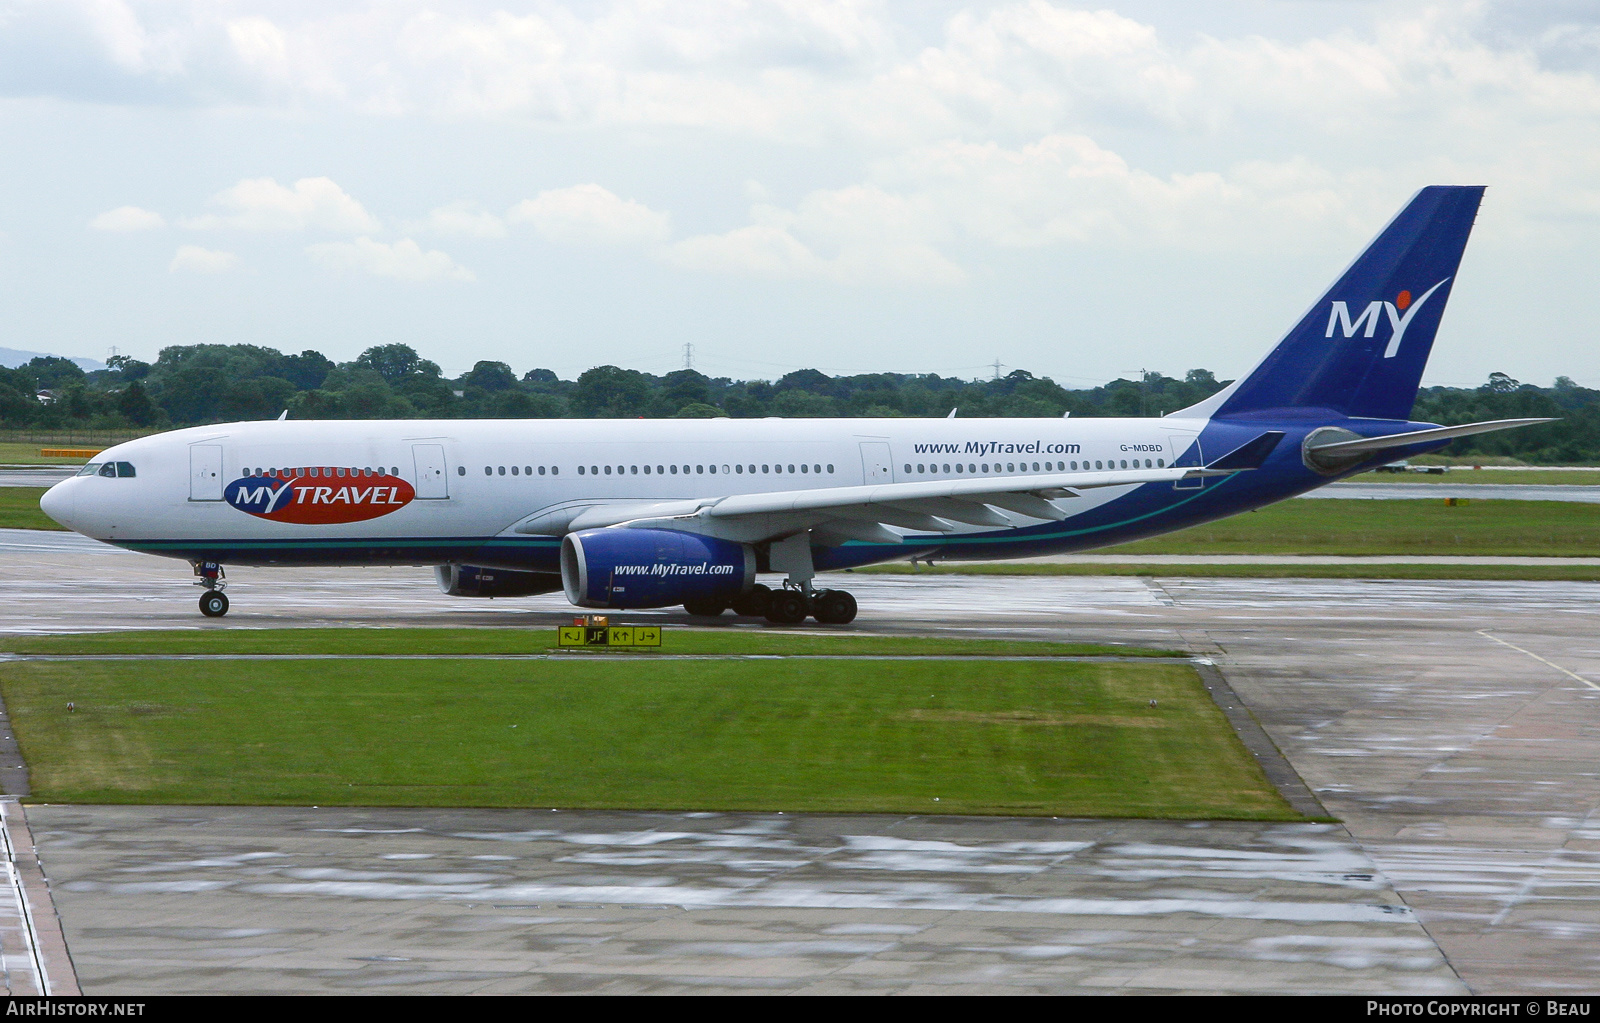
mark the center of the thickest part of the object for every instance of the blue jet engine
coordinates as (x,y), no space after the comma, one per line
(473,581)
(624,568)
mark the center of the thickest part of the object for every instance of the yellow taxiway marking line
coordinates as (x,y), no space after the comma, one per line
(1485,634)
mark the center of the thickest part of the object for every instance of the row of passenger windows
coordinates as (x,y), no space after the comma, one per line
(659,470)
(1110,463)
(516,470)
(323,471)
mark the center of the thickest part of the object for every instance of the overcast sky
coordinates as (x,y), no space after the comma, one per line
(1080,191)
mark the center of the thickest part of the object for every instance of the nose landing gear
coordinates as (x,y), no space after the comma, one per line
(213,602)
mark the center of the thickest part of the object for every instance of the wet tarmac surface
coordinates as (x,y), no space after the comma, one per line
(1466,773)
(1588,494)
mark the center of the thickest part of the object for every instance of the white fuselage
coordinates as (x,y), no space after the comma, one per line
(481,478)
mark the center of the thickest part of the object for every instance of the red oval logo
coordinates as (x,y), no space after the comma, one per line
(320,500)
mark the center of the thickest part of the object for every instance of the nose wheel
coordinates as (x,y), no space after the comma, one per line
(213,603)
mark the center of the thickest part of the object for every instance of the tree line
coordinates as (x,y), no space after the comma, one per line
(191,385)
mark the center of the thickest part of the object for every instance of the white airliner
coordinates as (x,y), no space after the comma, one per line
(658,513)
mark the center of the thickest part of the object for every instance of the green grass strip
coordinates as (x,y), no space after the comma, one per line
(19,509)
(1423,527)
(1063,738)
(225,640)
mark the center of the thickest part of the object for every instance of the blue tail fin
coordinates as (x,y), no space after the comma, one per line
(1361,350)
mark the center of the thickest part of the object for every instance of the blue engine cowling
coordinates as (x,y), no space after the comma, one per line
(473,581)
(652,568)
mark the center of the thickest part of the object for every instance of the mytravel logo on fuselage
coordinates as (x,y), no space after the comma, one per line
(294,495)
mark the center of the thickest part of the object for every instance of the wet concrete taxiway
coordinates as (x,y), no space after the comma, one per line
(1452,727)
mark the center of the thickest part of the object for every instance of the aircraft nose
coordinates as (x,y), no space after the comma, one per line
(60,503)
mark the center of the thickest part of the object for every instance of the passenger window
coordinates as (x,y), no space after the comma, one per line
(713,470)
(738,469)
(752,470)
(700,469)
(125,470)
(394,470)
(633,470)
(908,467)
(766,468)
(580,470)
(461,470)
(802,467)
(1161,463)
(958,467)
(555,470)
(594,470)
(947,467)
(541,470)
(830,468)
(660,469)
(674,470)
(791,468)
(608,470)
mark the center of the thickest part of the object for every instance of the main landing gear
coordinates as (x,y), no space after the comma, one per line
(788,606)
(796,601)
(213,602)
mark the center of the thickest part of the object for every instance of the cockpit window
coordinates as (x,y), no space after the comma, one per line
(90,469)
(109,469)
(125,470)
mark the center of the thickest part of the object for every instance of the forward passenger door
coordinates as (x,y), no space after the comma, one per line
(432,482)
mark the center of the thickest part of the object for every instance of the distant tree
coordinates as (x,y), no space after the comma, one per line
(305,371)
(490,376)
(53,372)
(135,405)
(699,410)
(811,380)
(392,362)
(609,392)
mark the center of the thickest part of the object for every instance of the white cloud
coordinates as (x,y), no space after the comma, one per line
(261,204)
(466,219)
(592,215)
(194,259)
(127,218)
(403,260)
(859,235)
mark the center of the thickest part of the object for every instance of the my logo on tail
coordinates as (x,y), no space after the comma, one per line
(1400,312)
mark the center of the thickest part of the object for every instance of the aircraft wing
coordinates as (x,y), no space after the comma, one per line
(864,512)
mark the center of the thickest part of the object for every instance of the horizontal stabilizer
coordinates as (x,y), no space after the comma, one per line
(1365,445)
(1250,454)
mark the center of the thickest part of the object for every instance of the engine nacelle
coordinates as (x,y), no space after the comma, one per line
(652,568)
(472,581)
